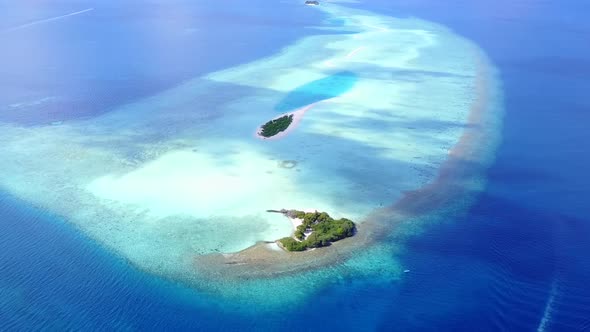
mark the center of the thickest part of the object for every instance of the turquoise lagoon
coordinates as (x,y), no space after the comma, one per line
(177,183)
(324,88)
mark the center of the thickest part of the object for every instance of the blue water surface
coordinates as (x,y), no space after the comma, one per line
(315,91)
(117,52)
(518,261)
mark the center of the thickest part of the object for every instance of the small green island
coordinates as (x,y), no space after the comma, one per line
(273,127)
(317,229)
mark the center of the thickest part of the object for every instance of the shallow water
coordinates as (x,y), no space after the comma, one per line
(322,89)
(514,261)
(178,175)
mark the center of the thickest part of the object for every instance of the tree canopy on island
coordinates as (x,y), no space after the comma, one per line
(275,126)
(324,230)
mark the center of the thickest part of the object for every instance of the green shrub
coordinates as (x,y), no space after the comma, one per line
(275,126)
(291,244)
(299,214)
(299,234)
(325,230)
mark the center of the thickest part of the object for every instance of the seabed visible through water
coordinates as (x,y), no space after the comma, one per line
(405,121)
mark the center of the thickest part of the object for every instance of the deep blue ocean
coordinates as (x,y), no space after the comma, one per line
(517,261)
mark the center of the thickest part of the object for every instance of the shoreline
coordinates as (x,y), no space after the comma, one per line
(441,193)
(179,261)
(296,222)
(297,117)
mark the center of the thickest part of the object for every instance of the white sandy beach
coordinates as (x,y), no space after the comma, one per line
(296,222)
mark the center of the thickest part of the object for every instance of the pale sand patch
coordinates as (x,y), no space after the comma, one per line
(198,184)
(296,222)
(273,246)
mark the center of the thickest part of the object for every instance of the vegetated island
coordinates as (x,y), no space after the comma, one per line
(317,229)
(273,127)
(282,125)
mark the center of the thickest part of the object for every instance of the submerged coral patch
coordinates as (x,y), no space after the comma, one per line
(287,164)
